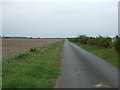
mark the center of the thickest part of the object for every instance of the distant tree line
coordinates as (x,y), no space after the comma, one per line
(100,41)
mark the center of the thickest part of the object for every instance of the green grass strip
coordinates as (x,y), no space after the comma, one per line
(38,69)
(108,54)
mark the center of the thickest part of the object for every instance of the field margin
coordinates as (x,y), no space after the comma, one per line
(42,68)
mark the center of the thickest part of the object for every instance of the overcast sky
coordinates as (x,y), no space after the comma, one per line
(62,18)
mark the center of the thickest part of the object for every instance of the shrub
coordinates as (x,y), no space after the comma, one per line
(117,44)
(83,39)
(32,50)
(105,42)
(92,41)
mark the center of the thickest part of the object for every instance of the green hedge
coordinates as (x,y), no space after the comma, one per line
(100,41)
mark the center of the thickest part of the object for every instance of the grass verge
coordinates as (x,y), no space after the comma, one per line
(37,69)
(107,54)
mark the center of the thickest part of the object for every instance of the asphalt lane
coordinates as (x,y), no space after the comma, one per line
(82,69)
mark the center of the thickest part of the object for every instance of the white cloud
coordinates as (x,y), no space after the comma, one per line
(59,0)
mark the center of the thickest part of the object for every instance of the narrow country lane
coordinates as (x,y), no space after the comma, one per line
(82,69)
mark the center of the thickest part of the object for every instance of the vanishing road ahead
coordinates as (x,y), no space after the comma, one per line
(82,69)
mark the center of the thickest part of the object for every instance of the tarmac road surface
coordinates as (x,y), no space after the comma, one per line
(82,69)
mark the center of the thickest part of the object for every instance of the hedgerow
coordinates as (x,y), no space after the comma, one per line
(100,41)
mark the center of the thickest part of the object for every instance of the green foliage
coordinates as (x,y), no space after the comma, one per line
(83,39)
(117,44)
(100,41)
(92,41)
(103,42)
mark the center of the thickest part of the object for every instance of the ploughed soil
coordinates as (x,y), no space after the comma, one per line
(12,47)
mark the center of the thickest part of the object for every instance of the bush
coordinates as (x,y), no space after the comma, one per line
(117,44)
(92,41)
(83,39)
(105,42)
(32,50)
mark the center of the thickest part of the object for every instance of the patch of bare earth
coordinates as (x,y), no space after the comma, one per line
(12,47)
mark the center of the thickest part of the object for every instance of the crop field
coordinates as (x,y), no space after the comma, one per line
(12,47)
(35,69)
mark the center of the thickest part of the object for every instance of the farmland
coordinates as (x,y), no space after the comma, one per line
(12,47)
(36,69)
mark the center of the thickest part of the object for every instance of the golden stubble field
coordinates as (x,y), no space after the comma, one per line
(12,47)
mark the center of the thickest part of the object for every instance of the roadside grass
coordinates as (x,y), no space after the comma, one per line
(108,54)
(37,69)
